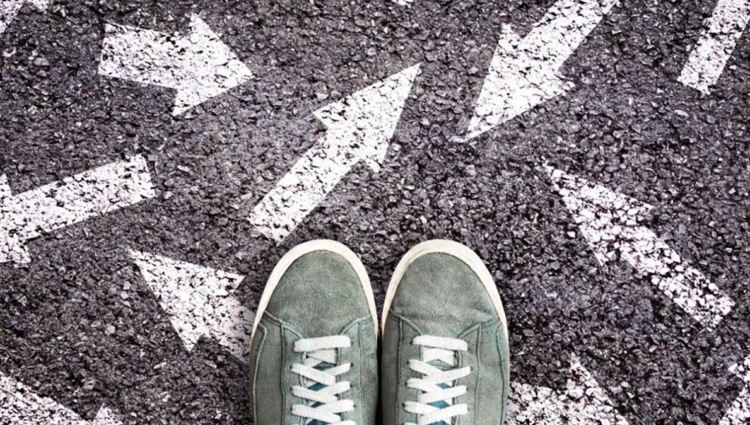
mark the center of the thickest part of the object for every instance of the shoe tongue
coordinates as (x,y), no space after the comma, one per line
(441,365)
(441,405)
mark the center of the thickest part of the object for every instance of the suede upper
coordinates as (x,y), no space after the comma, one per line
(440,295)
(319,295)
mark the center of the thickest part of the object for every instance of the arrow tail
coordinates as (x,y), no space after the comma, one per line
(83,196)
(685,285)
(716,44)
(69,201)
(523,72)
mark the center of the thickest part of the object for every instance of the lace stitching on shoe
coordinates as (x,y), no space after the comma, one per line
(438,391)
(320,373)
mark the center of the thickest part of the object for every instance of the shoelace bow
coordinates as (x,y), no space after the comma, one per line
(320,373)
(437,392)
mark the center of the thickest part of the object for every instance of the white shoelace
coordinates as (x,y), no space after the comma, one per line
(436,384)
(323,404)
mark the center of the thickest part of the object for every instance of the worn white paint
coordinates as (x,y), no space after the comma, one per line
(20,405)
(610,222)
(524,72)
(583,402)
(9,9)
(199,66)
(360,128)
(739,413)
(716,44)
(199,302)
(72,200)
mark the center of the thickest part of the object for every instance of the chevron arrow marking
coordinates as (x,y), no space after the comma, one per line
(610,223)
(360,128)
(9,9)
(20,405)
(524,71)
(583,402)
(199,66)
(199,302)
(739,413)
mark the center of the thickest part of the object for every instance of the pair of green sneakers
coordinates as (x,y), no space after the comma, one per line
(314,353)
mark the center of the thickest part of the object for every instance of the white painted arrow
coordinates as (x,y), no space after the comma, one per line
(524,72)
(20,405)
(9,9)
(582,403)
(360,128)
(199,66)
(72,200)
(610,223)
(198,302)
(716,44)
(739,413)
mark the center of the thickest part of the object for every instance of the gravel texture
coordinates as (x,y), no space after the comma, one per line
(79,325)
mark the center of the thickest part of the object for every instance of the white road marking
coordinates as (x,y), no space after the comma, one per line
(716,44)
(582,403)
(9,9)
(739,413)
(360,128)
(199,66)
(74,199)
(20,405)
(524,72)
(404,2)
(199,302)
(610,223)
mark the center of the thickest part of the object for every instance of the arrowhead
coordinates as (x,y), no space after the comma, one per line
(12,249)
(601,213)
(369,117)
(516,82)
(524,73)
(583,400)
(21,405)
(211,68)
(198,301)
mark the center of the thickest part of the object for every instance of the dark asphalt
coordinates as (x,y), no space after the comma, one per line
(79,325)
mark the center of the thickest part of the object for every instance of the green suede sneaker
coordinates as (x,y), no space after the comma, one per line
(445,353)
(313,355)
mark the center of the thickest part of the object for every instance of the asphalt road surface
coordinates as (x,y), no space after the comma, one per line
(160,157)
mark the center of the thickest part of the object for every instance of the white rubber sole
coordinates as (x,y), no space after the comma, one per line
(454,249)
(306,248)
